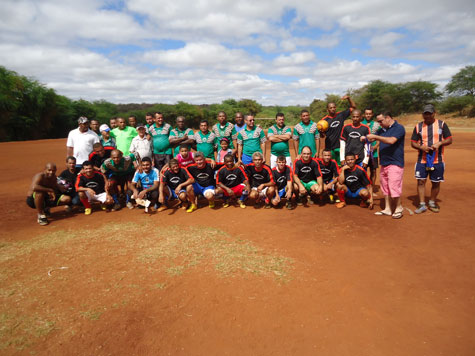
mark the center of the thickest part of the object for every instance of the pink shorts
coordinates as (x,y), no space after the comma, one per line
(390,178)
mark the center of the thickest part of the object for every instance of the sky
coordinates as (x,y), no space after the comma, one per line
(279,52)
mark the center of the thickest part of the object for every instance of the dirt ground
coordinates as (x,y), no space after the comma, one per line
(311,281)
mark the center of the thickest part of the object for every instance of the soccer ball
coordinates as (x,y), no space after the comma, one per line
(322,125)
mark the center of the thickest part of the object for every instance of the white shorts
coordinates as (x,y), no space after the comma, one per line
(273,161)
(102,197)
(263,192)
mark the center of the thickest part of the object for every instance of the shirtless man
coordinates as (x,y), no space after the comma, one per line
(43,193)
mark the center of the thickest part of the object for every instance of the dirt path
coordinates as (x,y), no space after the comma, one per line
(312,281)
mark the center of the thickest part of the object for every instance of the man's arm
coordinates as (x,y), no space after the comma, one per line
(263,148)
(239,154)
(69,151)
(352,103)
(296,148)
(341,177)
(317,146)
(372,138)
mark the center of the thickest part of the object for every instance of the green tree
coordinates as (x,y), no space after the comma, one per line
(462,83)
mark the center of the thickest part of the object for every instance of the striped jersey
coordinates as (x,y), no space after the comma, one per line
(428,135)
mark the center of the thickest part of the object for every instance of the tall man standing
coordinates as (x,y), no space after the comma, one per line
(123,135)
(250,140)
(391,148)
(80,141)
(373,154)
(279,135)
(160,132)
(429,138)
(306,135)
(181,135)
(335,125)
(225,129)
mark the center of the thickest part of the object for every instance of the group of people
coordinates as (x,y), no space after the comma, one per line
(150,165)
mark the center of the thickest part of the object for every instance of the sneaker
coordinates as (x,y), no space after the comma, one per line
(310,201)
(162,208)
(299,201)
(434,207)
(226,204)
(331,198)
(129,205)
(103,207)
(267,206)
(211,204)
(421,209)
(340,205)
(68,209)
(116,207)
(288,205)
(42,220)
(87,211)
(192,208)
(152,209)
(241,204)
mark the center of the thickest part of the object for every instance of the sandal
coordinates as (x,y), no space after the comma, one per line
(397,215)
(382,213)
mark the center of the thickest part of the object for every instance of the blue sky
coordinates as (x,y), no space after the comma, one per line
(277,52)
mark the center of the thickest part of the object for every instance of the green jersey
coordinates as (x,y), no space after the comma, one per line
(251,140)
(306,135)
(179,133)
(161,144)
(227,131)
(205,143)
(373,127)
(123,138)
(125,166)
(279,148)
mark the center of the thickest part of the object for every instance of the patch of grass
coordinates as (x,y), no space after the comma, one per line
(92,314)
(159,285)
(18,330)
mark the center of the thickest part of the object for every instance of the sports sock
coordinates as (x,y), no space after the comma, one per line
(86,204)
(341,195)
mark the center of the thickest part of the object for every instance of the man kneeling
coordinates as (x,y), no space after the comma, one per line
(284,184)
(307,176)
(145,185)
(232,181)
(261,181)
(203,181)
(44,193)
(354,184)
(175,184)
(92,186)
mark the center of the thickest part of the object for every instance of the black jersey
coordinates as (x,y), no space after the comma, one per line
(258,177)
(173,180)
(203,176)
(98,160)
(335,125)
(329,171)
(356,178)
(231,177)
(96,182)
(282,178)
(307,171)
(351,135)
(68,180)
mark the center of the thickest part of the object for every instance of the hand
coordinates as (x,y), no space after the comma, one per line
(288,195)
(52,196)
(365,165)
(435,146)
(370,136)
(141,195)
(371,204)
(212,163)
(298,157)
(230,192)
(302,190)
(363,138)
(319,189)
(425,148)
(276,200)
(177,190)
(91,192)
(259,188)
(239,163)
(345,166)
(345,97)
(161,200)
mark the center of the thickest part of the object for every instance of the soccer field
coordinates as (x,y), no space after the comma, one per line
(311,281)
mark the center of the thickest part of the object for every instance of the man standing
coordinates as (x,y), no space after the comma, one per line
(105,137)
(132,121)
(279,135)
(250,140)
(181,135)
(80,141)
(205,140)
(123,135)
(429,138)
(94,126)
(391,148)
(373,154)
(141,144)
(113,123)
(224,129)
(239,122)
(160,132)
(44,193)
(306,135)
(335,125)
(350,140)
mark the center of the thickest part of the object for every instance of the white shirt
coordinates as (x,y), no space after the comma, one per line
(82,144)
(142,146)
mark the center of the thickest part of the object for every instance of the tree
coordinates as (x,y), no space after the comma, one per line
(462,83)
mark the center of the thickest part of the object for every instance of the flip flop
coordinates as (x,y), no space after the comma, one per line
(397,215)
(382,213)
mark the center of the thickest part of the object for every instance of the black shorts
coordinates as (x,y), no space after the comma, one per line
(30,201)
(373,163)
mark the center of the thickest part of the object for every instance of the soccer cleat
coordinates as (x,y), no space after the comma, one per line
(288,205)
(42,220)
(226,204)
(421,209)
(129,205)
(211,204)
(241,204)
(68,209)
(340,205)
(162,208)
(116,207)
(87,211)
(103,207)
(192,208)
(299,201)
(434,207)
(331,197)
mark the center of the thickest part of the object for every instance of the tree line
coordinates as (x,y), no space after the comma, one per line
(29,110)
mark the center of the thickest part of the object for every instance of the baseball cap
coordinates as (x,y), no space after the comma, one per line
(104,127)
(83,120)
(140,126)
(429,108)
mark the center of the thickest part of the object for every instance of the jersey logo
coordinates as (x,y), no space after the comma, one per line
(202,176)
(175,180)
(258,176)
(92,185)
(352,179)
(306,169)
(325,171)
(281,179)
(335,124)
(231,177)
(354,134)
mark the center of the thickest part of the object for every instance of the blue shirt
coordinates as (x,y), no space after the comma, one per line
(392,154)
(146,180)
